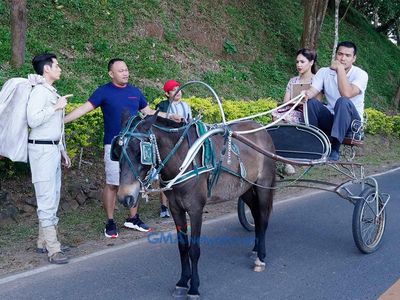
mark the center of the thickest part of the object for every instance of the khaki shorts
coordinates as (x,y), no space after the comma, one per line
(111,167)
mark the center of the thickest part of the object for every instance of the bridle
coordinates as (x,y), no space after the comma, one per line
(149,151)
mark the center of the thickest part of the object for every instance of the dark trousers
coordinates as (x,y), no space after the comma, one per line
(334,125)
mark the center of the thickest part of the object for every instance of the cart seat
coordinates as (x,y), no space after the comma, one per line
(299,142)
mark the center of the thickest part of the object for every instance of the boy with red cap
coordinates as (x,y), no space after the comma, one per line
(172,105)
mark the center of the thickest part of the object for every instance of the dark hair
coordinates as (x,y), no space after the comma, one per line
(41,60)
(112,61)
(347,44)
(310,54)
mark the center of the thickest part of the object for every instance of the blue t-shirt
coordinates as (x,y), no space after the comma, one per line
(113,100)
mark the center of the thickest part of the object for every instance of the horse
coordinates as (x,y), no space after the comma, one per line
(170,142)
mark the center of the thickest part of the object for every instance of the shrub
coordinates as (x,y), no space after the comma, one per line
(85,132)
(378,122)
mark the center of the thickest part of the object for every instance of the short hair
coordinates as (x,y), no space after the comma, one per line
(310,54)
(113,61)
(347,44)
(41,60)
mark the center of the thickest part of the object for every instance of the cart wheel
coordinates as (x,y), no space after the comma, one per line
(368,228)
(244,214)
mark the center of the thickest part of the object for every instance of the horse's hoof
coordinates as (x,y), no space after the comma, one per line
(180,292)
(253,255)
(259,265)
(193,297)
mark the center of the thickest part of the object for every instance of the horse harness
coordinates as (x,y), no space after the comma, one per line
(150,155)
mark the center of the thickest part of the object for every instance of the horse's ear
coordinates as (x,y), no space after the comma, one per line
(125,117)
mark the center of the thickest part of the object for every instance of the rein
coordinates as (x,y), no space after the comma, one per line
(151,146)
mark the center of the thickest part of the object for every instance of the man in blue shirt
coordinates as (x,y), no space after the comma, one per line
(113,98)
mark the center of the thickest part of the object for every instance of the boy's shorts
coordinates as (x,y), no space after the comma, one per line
(111,167)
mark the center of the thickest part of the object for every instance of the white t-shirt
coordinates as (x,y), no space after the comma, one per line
(181,109)
(326,79)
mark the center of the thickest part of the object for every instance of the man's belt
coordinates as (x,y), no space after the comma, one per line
(40,142)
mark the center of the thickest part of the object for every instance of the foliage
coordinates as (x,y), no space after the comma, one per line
(85,132)
(385,15)
(243,50)
(233,109)
(379,123)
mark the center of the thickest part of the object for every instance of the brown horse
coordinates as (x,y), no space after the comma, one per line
(249,175)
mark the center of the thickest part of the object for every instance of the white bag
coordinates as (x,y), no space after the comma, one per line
(14,97)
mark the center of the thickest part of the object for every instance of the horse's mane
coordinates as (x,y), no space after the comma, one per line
(169,123)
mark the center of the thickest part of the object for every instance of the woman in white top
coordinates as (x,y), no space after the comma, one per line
(305,65)
(306,68)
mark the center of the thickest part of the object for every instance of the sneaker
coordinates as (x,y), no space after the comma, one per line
(164,212)
(111,230)
(58,258)
(334,156)
(137,224)
(289,170)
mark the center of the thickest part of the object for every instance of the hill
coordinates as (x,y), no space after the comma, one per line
(244,49)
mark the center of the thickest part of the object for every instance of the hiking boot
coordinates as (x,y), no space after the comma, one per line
(164,212)
(58,258)
(334,156)
(137,224)
(111,230)
(64,248)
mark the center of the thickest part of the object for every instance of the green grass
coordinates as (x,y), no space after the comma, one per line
(255,43)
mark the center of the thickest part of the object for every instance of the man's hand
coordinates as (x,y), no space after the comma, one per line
(62,102)
(65,160)
(336,65)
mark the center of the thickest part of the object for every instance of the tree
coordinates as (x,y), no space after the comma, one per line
(384,15)
(336,38)
(314,14)
(18,31)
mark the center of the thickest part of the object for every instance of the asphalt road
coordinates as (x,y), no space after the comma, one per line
(310,255)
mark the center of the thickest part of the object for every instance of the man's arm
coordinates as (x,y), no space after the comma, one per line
(148,111)
(346,88)
(79,112)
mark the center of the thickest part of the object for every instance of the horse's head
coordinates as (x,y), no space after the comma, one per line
(133,147)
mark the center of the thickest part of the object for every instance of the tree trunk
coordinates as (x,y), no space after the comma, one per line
(396,99)
(18,31)
(336,38)
(314,14)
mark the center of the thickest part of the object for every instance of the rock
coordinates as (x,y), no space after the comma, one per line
(81,198)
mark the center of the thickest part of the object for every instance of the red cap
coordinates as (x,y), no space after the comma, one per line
(169,85)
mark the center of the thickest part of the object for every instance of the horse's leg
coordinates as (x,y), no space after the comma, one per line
(194,251)
(250,199)
(264,198)
(179,216)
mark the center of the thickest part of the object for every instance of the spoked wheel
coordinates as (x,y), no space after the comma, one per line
(369,220)
(245,217)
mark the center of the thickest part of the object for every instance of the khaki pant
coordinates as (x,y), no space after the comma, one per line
(50,240)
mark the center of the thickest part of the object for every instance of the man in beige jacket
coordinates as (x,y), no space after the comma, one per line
(45,152)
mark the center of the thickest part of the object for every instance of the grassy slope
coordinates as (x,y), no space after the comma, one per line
(187,41)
